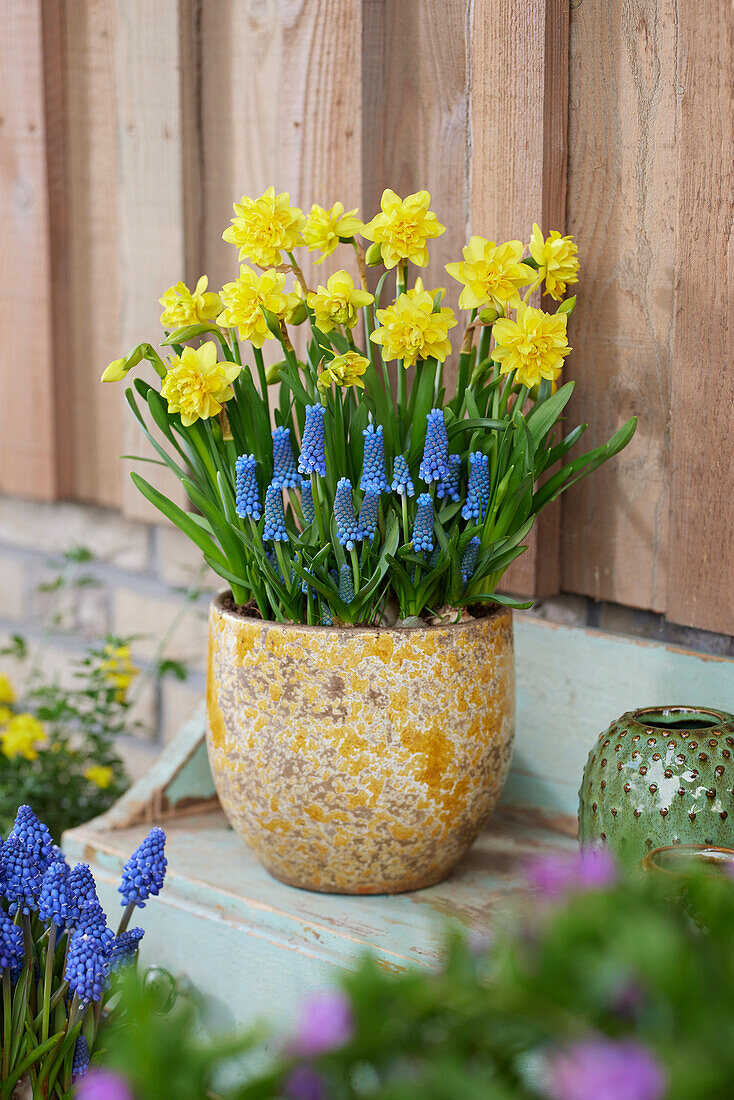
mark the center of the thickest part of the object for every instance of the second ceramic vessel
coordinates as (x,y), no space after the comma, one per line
(660,776)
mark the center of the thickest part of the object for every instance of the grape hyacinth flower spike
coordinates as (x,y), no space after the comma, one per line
(22,876)
(247,501)
(53,901)
(143,874)
(423,527)
(81,1060)
(347,527)
(274,515)
(448,488)
(402,482)
(309,512)
(469,559)
(285,472)
(346,584)
(435,464)
(368,515)
(313,459)
(477,496)
(34,836)
(87,968)
(82,892)
(125,948)
(11,945)
(374,478)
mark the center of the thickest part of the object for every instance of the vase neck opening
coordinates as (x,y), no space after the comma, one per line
(680,718)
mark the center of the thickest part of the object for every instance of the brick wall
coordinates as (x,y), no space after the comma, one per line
(143,572)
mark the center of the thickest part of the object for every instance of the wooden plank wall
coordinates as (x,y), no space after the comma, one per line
(127,129)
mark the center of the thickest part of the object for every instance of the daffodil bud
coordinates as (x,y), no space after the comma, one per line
(373,255)
(116,371)
(567,306)
(298,314)
(272,374)
(489,315)
(273,323)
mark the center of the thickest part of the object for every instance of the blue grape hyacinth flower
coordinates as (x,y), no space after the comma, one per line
(477,496)
(435,464)
(368,515)
(34,836)
(22,875)
(125,948)
(448,488)
(144,872)
(53,901)
(469,558)
(274,515)
(82,892)
(347,528)
(80,1065)
(11,944)
(87,967)
(285,471)
(374,477)
(423,527)
(402,482)
(247,502)
(346,584)
(309,512)
(313,458)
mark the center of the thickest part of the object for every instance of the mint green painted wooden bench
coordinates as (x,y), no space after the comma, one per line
(255,947)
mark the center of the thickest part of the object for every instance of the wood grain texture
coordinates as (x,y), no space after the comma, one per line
(519,82)
(97,412)
(622,205)
(151,247)
(28,430)
(701,576)
(416,127)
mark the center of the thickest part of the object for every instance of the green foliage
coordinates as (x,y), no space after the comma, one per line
(631,961)
(522,433)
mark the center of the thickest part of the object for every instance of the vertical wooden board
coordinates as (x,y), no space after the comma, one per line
(701,574)
(416,127)
(519,80)
(151,247)
(240,102)
(621,207)
(28,459)
(97,412)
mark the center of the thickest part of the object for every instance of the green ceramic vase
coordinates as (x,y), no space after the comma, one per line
(659,776)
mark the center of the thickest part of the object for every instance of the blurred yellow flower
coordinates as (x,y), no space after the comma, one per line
(22,736)
(5,715)
(244,300)
(264,228)
(337,302)
(403,228)
(196,385)
(411,330)
(100,775)
(557,260)
(7,691)
(535,345)
(184,307)
(492,274)
(118,668)
(323,228)
(345,370)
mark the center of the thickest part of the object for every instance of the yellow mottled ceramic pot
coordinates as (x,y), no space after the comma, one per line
(359,760)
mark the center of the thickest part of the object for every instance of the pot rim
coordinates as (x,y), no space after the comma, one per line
(682,710)
(496,617)
(649,863)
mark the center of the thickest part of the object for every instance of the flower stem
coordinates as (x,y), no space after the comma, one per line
(315,493)
(126,916)
(263,380)
(282,562)
(50,949)
(355,569)
(5,1053)
(404,509)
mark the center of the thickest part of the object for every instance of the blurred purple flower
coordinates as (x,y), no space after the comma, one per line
(554,876)
(325,1023)
(304,1083)
(604,1070)
(101,1084)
